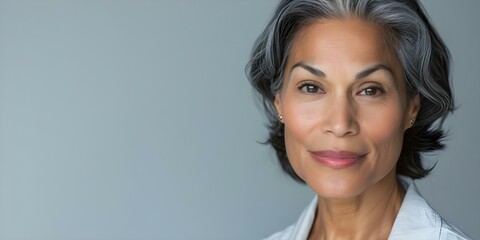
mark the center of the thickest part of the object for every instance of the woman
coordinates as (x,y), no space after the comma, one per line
(355,91)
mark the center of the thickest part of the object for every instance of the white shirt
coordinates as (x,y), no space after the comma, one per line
(415,220)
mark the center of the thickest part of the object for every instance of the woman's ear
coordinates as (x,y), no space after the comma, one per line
(412,110)
(277,104)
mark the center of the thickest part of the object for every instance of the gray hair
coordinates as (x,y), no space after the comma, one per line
(423,55)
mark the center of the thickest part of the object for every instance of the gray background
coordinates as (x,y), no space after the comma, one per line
(134,120)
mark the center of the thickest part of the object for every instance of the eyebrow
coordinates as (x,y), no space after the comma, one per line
(312,70)
(373,69)
(362,74)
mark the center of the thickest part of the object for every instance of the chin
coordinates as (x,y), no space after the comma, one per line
(336,187)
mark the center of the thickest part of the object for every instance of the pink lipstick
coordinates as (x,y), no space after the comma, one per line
(337,159)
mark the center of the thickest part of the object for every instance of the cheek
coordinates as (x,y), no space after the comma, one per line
(300,120)
(294,145)
(383,129)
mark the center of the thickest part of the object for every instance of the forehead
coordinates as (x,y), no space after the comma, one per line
(351,40)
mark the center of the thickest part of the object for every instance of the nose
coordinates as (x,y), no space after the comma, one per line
(340,118)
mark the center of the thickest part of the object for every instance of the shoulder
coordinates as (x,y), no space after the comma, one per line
(450,232)
(301,228)
(417,220)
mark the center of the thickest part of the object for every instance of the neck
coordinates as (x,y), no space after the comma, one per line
(368,216)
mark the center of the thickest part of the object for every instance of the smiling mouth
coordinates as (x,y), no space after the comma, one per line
(337,159)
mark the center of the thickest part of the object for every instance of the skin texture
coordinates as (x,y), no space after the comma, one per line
(331,101)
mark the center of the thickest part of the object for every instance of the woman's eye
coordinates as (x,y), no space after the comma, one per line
(371,91)
(309,88)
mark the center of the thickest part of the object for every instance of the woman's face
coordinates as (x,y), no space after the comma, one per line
(344,106)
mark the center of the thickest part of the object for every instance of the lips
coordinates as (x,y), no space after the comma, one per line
(337,159)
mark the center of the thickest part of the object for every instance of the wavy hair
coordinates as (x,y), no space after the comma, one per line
(423,55)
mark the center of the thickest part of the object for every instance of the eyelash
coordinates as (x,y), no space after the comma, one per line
(306,86)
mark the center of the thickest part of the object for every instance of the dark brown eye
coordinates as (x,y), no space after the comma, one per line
(371,91)
(309,88)
(312,89)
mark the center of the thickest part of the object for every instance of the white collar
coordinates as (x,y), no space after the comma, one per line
(415,216)
(415,219)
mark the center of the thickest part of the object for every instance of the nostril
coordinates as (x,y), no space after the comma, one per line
(341,126)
